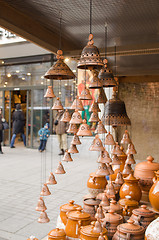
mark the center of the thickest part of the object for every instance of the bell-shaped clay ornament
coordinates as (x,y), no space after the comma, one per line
(94,117)
(102,170)
(66,116)
(43,217)
(49,93)
(115,160)
(85,95)
(100,128)
(45,190)
(84,129)
(60,169)
(109,167)
(77,104)
(76,118)
(102,98)
(109,140)
(41,205)
(67,157)
(116,150)
(101,237)
(110,191)
(104,157)
(119,179)
(94,107)
(32,238)
(131,149)
(126,138)
(95,82)
(105,201)
(130,159)
(51,180)
(57,105)
(72,129)
(97,227)
(73,149)
(99,214)
(76,140)
(127,170)
(96,144)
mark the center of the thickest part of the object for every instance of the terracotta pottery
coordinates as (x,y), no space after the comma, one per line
(99,213)
(85,95)
(76,118)
(122,157)
(115,160)
(106,76)
(105,202)
(84,129)
(49,93)
(72,129)
(128,205)
(143,216)
(90,206)
(66,116)
(96,184)
(102,98)
(126,138)
(76,219)
(41,205)
(129,231)
(67,157)
(95,82)
(152,232)
(131,149)
(154,194)
(32,238)
(60,169)
(109,167)
(94,117)
(116,149)
(77,104)
(130,159)
(146,172)
(104,157)
(73,149)
(100,128)
(51,180)
(43,217)
(100,195)
(119,179)
(57,105)
(116,207)
(96,145)
(131,188)
(71,206)
(57,234)
(102,170)
(94,107)
(109,140)
(127,170)
(45,190)
(111,221)
(110,191)
(75,140)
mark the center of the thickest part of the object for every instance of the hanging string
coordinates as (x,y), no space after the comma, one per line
(115,62)
(90,16)
(60,13)
(105,43)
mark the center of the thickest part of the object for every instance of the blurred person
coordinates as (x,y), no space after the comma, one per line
(44,133)
(2,120)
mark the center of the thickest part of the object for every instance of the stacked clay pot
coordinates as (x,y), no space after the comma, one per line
(154,193)
(67,208)
(96,184)
(57,234)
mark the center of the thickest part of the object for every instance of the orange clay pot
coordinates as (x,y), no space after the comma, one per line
(57,234)
(128,205)
(154,194)
(90,233)
(67,208)
(96,184)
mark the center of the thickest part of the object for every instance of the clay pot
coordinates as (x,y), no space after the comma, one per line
(146,172)
(67,208)
(143,216)
(116,207)
(152,230)
(131,188)
(122,157)
(129,231)
(128,205)
(154,194)
(96,184)
(90,206)
(76,219)
(57,234)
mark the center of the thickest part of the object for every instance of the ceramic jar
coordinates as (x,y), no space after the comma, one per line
(57,234)
(143,216)
(67,208)
(154,193)
(128,205)
(76,219)
(131,188)
(152,231)
(116,207)
(129,231)
(96,184)
(90,206)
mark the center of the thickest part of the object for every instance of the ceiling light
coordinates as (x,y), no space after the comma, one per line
(2,62)
(66,84)
(23,78)
(67,59)
(6,82)
(42,77)
(9,75)
(17,71)
(48,80)
(59,93)
(29,74)
(4,86)
(74,70)
(42,83)
(74,81)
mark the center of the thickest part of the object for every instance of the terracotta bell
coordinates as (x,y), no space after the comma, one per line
(45,190)
(106,76)
(122,157)
(126,138)
(85,95)
(115,206)
(95,82)
(109,167)
(116,150)
(49,93)
(127,170)
(57,105)
(96,144)
(100,128)
(77,104)
(32,238)
(119,179)
(67,157)
(115,112)
(102,98)
(99,214)
(94,107)
(115,160)
(76,118)
(102,170)
(72,128)
(104,157)
(110,191)
(60,169)
(59,70)
(41,205)
(73,149)
(66,116)
(105,202)
(131,149)
(90,57)
(94,117)
(109,140)
(51,180)
(84,129)
(75,140)
(101,237)
(130,159)
(43,217)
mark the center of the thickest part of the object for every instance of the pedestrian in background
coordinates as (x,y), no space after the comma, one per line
(44,133)
(1,131)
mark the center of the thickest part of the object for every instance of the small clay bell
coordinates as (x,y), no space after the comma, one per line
(119,179)
(76,118)
(100,128)
(131,149)
(98,227)
(94,107)
(101,237)
(32,238)
(105,201)
(95,82)
(127,170)
(72,129)
(109,140)
(126,138)
(102,170)
(41,205)
(109,167)
(43,217)
(77,104)
(76,140)
(115,160)
(57,105)
(85,95)
(67,157)
(60,169)
(51,180)
(102,96)
(96,144)
(104,157)
(94,117)
(73,149)
(116,150)
(45,190)
(99,214)
(110,191)
(49,93)
(84,129)
(130,159)
(66,116)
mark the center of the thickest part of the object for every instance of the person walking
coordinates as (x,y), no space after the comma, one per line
(44,133)
(1,131)
(18,125)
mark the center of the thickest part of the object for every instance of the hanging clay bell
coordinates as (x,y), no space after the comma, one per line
(76,140)
(127,170)
(94,107)
(32,238)
(60,169)
(126,138)
(77,104)
(99,214)
(115,160)
(116,149)
(52,180)
(67,157)
(102,170)
(109,167)
(73,149)
(130,159)
(57,105)
(49,93)
(85,95)
(119,179)
(96,145)
(104,157)
(66,116)
(43,217)
(84,129)
(95,82)
(41,205)
(105,202)
(76,118)
(100,128)
(109,140)
(72,128)
(94,117)
(110,191)
(102,98)
(45,190)
(131,149)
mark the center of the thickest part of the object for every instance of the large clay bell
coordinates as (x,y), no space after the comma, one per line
(94,107)
(104,157)
(57,105)
(43,217)
(131,149)
(76,140)
(45,190)
(76,118)
(102,98)
(77,104)
(41,205)
(109,140)
(84,129)
(94,117)
(51,180)
(85,95)
(73,149)
(49,93)
(102,170)
(126,138)
(60,169)
(100,128)
(95,82)
(72,128)
(130,159)
(66,116)
(96,145)
(67,157)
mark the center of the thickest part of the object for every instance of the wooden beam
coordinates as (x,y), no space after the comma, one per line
(139,79)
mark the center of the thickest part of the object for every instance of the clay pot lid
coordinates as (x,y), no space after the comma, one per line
(112,217)
(143,211)
(130,227)
(115,206)
(128,201)
(131,178)
(69,206)
(56,233)
(95,175)
(148,165)
(78,214)
(91,201)
(89,230)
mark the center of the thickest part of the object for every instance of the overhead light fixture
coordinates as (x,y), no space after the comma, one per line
(6,82)
(42,83)
(23,78)
(67,60)
(4,85)
(28,74)
(2,62)
(9,75)
(74,70)
(42,77)
(17,71)
(66,84)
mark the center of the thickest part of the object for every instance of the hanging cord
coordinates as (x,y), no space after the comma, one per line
(60,13)
(90,16)
(105,42)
